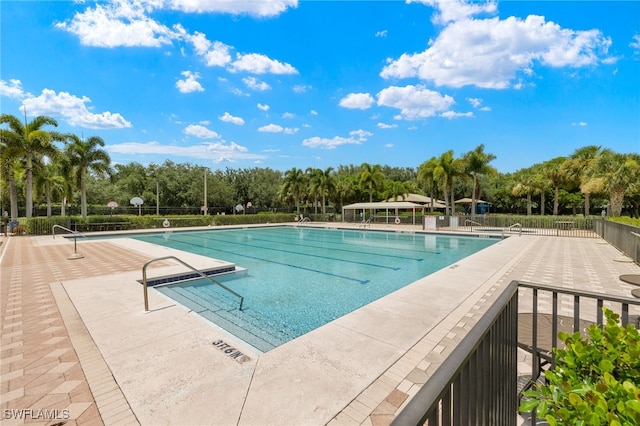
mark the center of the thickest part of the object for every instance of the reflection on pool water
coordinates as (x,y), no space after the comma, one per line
(300,278)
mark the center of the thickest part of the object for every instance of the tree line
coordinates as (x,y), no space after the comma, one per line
(41,167)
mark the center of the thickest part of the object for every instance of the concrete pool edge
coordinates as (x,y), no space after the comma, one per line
(337,404)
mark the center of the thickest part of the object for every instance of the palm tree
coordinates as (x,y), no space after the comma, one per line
(396,190)
(555,174)
(446,170)
(294,181)
(526,185)
(371,177)
(344,189)
(50,181)
(614,174)
(426,176)
(8,165)
(576,167)
(476,163)
(85,157)
(29,143)
(323,183)
(313,188)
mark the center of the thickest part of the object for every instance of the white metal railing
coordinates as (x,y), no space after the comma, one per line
(145,286)
(75,239)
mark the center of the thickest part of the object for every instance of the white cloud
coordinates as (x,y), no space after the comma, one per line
(73,110)
(262,8)
(475,102)
(362,135)
(119,23)
(494,53)
(200,132)
(325,143)
(388,145)
(254,84)
(386,126)
(414,101)
(228,118)
(455,10)
(260,64)
(357,101)
(275,128)
(635,45)
(263,107)
(382,33)
(580,123)
(13,89)
(452,114)
(216,151)
(215,54)
(271,128)
(288,115)
(190,83)
(313,112)
(301,88)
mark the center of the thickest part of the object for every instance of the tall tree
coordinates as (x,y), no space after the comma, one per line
(50,181)
(557,177)
(86,157)
(476,163)
(293,184)
(525,184)
(9,163)
(447,169)
(29,142)
(371,178)
(576,168)
(322,182)
(427,178)
(614,174)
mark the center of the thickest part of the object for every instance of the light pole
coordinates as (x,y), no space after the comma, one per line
(205,208)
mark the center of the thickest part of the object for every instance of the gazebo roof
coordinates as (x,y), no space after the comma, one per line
(384,205)
(421,199)
(468,201)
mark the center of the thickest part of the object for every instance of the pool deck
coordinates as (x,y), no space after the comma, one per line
(77,346)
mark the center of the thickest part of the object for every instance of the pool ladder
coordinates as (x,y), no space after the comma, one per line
(144,280)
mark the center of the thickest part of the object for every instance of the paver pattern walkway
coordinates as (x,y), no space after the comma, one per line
(45,364)
(42,379)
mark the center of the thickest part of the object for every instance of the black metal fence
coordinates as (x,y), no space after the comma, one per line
(477,383)
(560,226)
(553,309)
(625,238)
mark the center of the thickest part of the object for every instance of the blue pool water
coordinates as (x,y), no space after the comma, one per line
(299,278)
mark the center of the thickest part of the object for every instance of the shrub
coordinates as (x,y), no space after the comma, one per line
(596,380)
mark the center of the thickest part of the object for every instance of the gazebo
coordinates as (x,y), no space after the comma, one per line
(483,206)
(394,206)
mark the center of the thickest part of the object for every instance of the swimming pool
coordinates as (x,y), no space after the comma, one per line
(300,278)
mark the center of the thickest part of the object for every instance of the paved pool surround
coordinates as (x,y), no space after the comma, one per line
(77,342)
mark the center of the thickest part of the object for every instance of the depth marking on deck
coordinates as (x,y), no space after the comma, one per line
(231,352)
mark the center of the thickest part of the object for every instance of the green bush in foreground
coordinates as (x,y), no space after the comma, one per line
(596,380)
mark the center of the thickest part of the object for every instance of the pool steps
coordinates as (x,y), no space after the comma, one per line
(186,276)
(223,311)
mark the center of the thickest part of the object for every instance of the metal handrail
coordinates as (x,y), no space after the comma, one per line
(144,279)
(472,221)
(364,223)
(304,219)
(519,225)
(75,235)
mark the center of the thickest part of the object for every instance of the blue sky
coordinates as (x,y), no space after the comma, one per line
(288,83)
